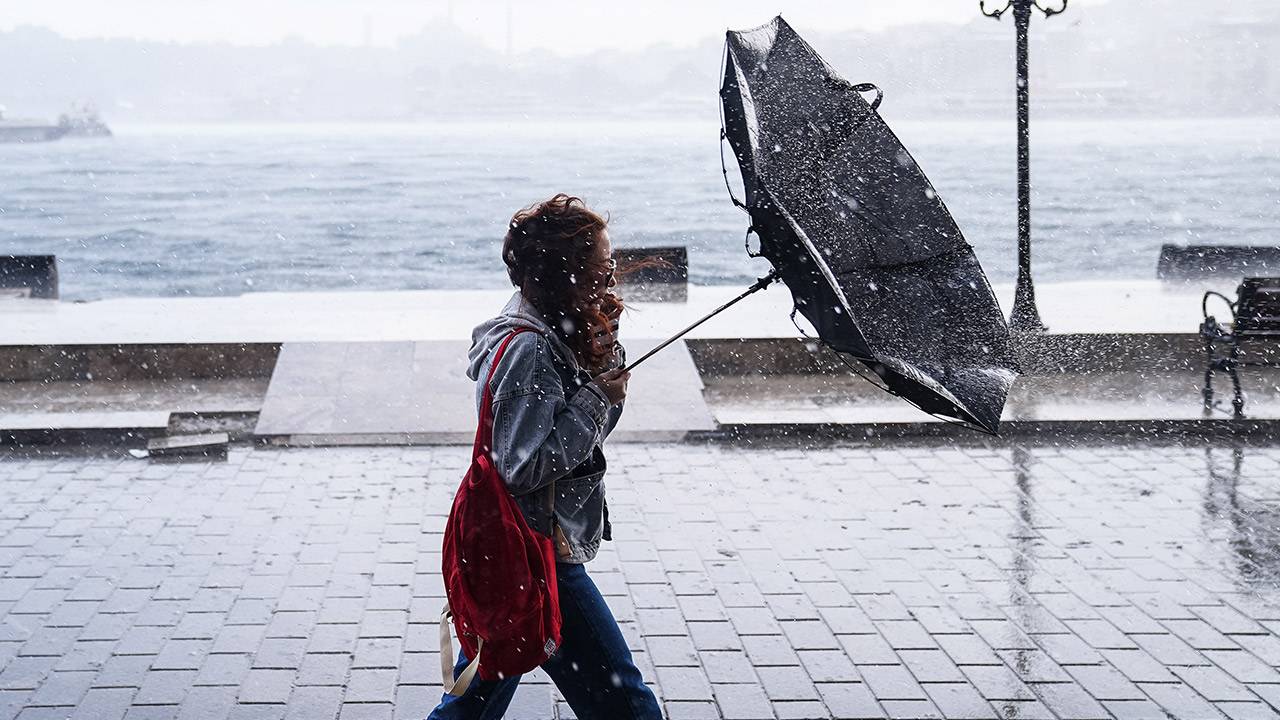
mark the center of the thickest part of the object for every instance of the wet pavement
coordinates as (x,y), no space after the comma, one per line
(1074,580)
(1097,397)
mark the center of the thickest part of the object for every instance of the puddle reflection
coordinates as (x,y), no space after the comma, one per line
(1244,526)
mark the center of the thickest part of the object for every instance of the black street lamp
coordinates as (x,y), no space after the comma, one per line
(1025,317)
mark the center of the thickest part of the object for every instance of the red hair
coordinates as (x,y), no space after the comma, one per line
(550,255)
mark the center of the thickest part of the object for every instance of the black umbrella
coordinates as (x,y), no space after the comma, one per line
(872,257)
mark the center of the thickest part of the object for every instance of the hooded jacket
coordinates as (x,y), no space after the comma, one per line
(549,421)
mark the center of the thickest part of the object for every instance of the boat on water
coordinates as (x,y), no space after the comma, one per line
(83,122)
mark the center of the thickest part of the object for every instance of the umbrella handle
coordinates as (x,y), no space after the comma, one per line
(760,284)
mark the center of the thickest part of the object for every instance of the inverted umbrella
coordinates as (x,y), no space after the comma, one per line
(871,255)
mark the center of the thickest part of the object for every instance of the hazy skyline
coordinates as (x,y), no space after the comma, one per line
(567,27)
(1136,57)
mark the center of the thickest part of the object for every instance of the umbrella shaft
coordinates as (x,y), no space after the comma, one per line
(760,284)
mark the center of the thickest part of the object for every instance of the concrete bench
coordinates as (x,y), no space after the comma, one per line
(1193,262)
(654,274)
(29,276)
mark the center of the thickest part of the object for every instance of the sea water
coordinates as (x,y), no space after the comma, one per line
(224,210)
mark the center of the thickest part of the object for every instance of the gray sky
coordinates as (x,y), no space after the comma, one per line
(562,26)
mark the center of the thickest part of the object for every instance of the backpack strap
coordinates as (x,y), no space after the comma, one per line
(484,428)
(484,434)
(459,685)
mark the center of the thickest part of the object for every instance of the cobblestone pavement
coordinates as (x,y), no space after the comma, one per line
(1093,581)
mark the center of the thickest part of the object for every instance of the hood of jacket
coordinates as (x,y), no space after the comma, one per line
(518,312)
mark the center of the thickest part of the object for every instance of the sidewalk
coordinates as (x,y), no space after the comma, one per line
(1099,307)
(919,580)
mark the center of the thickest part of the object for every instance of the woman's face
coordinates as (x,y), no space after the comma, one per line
(602,258)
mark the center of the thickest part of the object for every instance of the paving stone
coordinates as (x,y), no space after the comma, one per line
(1023,710)
(1068,649)
(326,669)
(266,686)
(1104,682)
(164,687)
(123,671)
(714,636)
(223,670)
(1170,650)
(828,666)
(366,711)
(998,683)
(1100,634)
(1139,666)
(966,650)
(765,650)
(906,635)
(62,689)
(1200,635)
(1213,683)
(315,703)
(931,666)
(785,683)
(891,682)
(672,650)
(743,702)
(1180,700)
(1003,635)
(683,683)
(1135,710)
(910,709)
(809,635)
(371,686)
(1247,711)
(208,703)
(683,710)
(101,704)
(1034,666)
(181,655)
(1070,701)
(280,653)
(1243,666)
(26,673)
(852,701)
(870,650)
(1228,621)
(959,700)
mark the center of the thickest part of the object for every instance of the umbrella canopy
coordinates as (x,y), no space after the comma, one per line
(873,258)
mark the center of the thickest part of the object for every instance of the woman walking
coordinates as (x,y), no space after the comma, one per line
(556,394)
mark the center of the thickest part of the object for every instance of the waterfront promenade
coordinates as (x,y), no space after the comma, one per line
(1075,579)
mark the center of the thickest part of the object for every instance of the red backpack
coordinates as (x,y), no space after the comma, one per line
(499,575)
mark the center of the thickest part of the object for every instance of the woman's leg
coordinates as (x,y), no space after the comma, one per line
(593,667)
(483,700)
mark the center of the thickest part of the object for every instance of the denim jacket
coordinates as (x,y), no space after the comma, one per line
(549,421)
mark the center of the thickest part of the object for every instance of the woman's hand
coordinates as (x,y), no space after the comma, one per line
(613,383)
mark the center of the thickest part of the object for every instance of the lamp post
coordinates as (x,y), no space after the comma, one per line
(1024,317)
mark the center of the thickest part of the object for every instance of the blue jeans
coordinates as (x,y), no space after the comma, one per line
(593,667)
